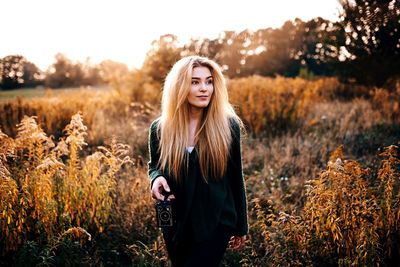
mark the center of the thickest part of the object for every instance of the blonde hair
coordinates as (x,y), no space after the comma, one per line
(213,136)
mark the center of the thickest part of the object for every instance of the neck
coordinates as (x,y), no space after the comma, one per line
(195,114)
(194,118)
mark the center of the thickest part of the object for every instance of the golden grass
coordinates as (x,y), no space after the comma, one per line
(345,220)
(49,187)
(61,177)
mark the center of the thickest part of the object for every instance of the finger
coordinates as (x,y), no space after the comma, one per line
(235,247)
(236,243)
(171,197)
(159,196)
(157,193)
(165,185)
(233,244)
(240,244)
(154,193)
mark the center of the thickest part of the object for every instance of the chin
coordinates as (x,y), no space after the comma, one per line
(203,105)
(200,105)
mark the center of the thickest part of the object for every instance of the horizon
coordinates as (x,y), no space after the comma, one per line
(121,31)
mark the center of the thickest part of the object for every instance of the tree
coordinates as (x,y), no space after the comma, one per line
(203,47)
(32,75)
(64,73)
(114,74)
(161,57)
(372,40)
(320,46)
(274,51)
(12,71)
(110,70)
(232,54)
(91,73)
(1,72)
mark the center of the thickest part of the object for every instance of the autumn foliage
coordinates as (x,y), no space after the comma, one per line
(48,187)
(321,164)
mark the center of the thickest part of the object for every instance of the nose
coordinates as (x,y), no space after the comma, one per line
(203,87)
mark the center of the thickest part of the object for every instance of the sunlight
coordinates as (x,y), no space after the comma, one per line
(123,30)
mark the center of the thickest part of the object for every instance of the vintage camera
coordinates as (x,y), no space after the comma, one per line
(164,213)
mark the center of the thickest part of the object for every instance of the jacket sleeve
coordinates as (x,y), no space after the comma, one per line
(153,144)
(237,182)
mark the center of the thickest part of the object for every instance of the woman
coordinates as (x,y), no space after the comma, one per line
(195,157)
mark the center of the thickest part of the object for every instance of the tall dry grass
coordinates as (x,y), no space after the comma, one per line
(107,113)
(50,187)
(349,218)
(270,106)
(307,204)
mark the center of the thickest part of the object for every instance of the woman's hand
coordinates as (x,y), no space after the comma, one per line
(237,242)
(159,186)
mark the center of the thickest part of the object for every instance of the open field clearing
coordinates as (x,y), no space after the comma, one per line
(29,93)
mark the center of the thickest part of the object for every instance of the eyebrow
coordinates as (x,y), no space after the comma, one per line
(198,78)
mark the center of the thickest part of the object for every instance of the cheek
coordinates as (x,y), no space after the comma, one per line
(192,91)
(191,97)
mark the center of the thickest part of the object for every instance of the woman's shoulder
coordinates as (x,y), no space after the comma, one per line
(237,128)
(236,124)
(154,124)
(154,127)
(234,121)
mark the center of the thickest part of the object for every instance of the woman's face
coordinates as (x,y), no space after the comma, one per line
(202,88)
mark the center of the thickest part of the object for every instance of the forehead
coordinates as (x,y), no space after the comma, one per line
(201,72)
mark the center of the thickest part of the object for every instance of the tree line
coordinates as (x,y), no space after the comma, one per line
(362,47)
(17,72)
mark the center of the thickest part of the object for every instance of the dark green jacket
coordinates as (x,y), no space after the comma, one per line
(199,207)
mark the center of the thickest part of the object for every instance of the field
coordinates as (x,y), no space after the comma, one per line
(25,92)
(321,163)
(29,93)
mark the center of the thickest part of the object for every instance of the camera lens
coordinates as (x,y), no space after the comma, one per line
(165,216)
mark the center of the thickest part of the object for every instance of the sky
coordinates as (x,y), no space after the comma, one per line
(122,30)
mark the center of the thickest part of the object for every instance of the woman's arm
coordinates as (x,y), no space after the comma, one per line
(237,183)
(158,182)
(153,144)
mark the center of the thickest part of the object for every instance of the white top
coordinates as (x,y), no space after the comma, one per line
(190,149)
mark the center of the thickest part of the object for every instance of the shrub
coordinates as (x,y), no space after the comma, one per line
(48,187)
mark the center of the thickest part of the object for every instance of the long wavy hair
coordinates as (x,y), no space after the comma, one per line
(213,135)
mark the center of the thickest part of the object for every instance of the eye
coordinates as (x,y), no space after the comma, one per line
(210,81)
(194,82)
